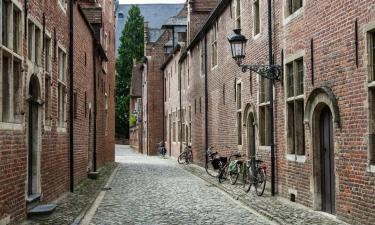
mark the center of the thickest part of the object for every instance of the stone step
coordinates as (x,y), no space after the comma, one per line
(42,210)
(32,201)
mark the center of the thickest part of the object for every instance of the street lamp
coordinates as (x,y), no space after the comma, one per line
(238,49)
(272,72)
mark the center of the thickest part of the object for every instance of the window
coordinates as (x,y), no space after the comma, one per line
(238,14)
(256,17)
(10,63)
(121,15)
(34,43)
(214,45)
(239,113)
(47,99)
(293,5)
(61,95)
(179,125)
(295,107)
(371,80)
(47,55)
(202,67)
(189,119)
(264,103)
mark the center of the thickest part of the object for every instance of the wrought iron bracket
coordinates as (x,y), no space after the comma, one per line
(272,72)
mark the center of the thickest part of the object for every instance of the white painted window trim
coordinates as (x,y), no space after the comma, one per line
(62,7)
(11,126)
(256,36)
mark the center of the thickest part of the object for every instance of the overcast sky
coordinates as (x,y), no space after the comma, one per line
(150,1)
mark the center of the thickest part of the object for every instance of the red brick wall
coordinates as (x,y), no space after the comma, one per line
(333,33)
(54,145)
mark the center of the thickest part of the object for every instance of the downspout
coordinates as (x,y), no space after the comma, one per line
(180,89)
(271,125)
(71,98)
(163,105)
(26,13)
(147,102)
(95,101)
(173,39)
(205,97)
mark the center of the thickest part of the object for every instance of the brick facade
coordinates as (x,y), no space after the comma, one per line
(331,79)
(49,20)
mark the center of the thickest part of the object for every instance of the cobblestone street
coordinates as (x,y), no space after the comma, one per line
(152,190)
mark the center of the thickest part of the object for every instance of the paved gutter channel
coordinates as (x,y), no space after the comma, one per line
(275,209)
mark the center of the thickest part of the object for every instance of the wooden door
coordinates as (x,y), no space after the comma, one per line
(327,162)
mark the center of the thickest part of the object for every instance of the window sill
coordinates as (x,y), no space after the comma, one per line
(292,16)
(264,148)
(371,168)
(61,130)
(296,158)
(10,126)
(371,84)
(256,36)
(47,128)
(214,67)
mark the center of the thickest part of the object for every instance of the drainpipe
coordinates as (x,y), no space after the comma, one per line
(71,98)
(180,89)
(26,12)
(205,97)
(95,101)
(163,105)
(271,126)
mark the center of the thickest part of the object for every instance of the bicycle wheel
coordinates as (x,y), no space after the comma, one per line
(247,182)
(189,157)
(260,184)
(211,170)
(181,158)
(233,176)
(223,173)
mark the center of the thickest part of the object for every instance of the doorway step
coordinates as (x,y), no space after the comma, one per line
(34,208)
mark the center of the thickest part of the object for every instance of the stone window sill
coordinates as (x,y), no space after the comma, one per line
(61,130)
(265,148)
(292,16)
(371,168)
(10,126)
(296,158)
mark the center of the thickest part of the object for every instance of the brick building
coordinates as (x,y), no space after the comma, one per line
(323,105)
(36,99)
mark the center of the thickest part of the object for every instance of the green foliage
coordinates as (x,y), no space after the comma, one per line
(131,47)
(133,120)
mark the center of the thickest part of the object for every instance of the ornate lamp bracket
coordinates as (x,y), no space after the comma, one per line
(272,72)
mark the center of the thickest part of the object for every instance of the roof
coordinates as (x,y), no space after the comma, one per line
(154,34)
(155,14)
(221,6)
(175,21)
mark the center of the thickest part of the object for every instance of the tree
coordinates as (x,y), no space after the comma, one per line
(131,47)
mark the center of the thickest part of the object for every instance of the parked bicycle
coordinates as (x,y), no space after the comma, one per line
(186,156)
(162,149)
(255,174)
(231,169)
(214,162)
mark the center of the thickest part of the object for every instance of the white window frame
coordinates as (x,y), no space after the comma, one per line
(62,122)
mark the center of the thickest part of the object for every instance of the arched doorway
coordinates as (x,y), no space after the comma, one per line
(323,117)
(327,163)
(251,147)
(33,172)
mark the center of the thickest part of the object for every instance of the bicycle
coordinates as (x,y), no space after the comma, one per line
(186,156)
(231,169)
(214,162)
(162,149)
(254,174)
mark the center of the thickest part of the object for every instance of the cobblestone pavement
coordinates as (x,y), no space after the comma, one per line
(279,210)
(152,190)
(71,205)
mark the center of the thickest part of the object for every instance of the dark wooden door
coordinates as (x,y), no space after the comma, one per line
(327,162)
(251,137)
(32,173)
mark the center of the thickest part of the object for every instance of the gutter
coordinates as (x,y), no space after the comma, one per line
(71,97)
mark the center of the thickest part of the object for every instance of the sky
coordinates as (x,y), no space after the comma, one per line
(150,1)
